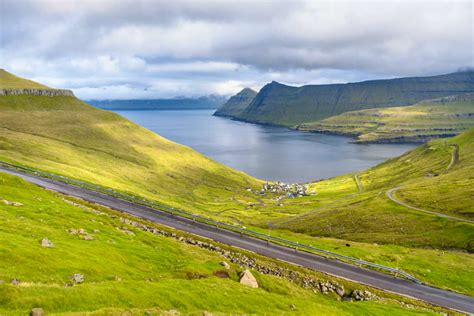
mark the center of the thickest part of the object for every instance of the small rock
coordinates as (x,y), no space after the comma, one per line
(15,281)
(248,279)
(225,265)
(12,203)
(96,231)
(206,313)
(1,281)
(88,237)
(292,307)
(45,242)
(81,231)
(117,278)
(77,278)
(37,311)
(172,312)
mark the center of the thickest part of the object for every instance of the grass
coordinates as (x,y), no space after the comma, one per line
(10,81)
(154,270)
(63,134)
(417,123)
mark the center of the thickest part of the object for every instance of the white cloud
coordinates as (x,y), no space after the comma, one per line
(157,48)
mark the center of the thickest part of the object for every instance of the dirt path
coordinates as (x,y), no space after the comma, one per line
(391,197)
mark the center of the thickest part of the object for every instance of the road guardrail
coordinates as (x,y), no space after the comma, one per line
(208,221)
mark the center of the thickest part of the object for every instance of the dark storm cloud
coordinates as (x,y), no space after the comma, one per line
(162,48)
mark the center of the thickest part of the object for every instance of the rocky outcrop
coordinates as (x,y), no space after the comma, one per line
(38,92)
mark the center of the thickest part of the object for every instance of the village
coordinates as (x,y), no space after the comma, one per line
(288,190)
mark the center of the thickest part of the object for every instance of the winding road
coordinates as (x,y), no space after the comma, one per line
(340,269)
(394,199)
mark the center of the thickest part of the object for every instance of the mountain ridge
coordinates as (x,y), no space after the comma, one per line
(279,104)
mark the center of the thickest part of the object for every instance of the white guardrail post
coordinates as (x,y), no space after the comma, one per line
(276,240)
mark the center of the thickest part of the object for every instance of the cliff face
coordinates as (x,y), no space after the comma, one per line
(290,106)
(38,92)
(236,104)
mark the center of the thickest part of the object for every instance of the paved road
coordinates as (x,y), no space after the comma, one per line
(394,199)
(370,277)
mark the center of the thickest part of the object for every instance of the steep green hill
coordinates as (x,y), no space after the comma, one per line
(290,106)
(236,104)
(63,135)
(444,117)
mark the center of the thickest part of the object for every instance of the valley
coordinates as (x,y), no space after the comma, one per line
(65,136)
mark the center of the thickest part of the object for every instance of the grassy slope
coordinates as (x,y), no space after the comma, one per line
(290,106)
(10,81)
(154,270)
(362,216)
(65,135)
(416,123)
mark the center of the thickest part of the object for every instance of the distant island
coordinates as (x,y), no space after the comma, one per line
(211,102)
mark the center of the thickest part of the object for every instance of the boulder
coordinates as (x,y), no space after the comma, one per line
(77,278)
(37,311)
(45,242)
(247,278)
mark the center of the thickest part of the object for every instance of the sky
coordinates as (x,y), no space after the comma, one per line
(128,49)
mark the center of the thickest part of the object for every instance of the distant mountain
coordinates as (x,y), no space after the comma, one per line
(208,102)
(236,104)
(284,105)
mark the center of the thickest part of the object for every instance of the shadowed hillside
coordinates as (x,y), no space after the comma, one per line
(236,104)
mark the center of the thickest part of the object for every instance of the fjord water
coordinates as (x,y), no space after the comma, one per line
(265,152)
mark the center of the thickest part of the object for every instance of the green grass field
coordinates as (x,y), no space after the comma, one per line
(417,123)
(135,273)
(65,136)
(10,81)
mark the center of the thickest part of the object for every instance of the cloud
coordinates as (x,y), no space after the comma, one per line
(154,48)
